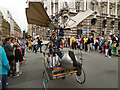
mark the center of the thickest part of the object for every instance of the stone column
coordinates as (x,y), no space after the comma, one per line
(108,8)
(59,5)
(53,7)
(116,9)
(50,7)
(74,4)
(84,4)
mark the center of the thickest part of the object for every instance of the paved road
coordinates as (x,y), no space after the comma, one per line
(101,72)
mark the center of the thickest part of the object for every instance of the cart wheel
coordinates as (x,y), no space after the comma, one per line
(45,80)
(81,79)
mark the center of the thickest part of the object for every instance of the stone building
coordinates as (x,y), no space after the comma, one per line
(4,26)
(98,17)
(8,25)
(17,30)
(34,30)
(30,29)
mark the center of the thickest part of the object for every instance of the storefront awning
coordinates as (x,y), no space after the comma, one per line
(36,14)
(74,21)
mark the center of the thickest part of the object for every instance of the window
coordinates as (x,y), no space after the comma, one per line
(93,6)
(102,9)
(77,6)
(110,12)
(118,13)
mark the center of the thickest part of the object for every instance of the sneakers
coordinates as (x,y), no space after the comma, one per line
(20,72)
(6,83)
(106,56)
(109,56)
(17,75)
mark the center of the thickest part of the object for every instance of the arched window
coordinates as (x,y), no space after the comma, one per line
(93,21)
(65,19)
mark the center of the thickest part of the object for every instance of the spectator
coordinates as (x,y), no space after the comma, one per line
(85,43)
(102,42)
(114,48)
(63,42)
(23,50)
(66,42)
(35,42)
(18,59)
(96,44)
(23,47)
(40,44)
(106,48)
(10,56)
(91,43)
(88,44)
(69,42)
(4,66)
(110,50)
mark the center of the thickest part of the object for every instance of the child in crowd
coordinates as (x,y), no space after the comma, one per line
(106,48)
(18,59)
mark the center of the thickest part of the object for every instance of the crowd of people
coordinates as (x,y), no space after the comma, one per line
(34,44)
(12,50)
(13,55)
(108,45)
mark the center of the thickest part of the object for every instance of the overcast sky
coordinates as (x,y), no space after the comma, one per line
(17,9)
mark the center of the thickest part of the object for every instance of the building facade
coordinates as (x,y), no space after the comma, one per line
(34,30)
(4,26)
(104,20)
(8,25)
(17,30)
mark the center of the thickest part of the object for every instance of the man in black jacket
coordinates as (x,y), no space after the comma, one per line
(39,44)
(91,43)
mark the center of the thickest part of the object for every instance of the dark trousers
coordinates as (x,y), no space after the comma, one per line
(96,47)
(23,51)
(35,48)
(82,45)
(86,47)
(3,78)
(109,52)
(39,46)
(12,68)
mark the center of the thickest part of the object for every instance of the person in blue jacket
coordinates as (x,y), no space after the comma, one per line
(4,67)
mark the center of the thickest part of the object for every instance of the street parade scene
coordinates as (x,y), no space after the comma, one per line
(59,44)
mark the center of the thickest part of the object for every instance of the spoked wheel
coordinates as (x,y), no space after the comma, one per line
(29,49)
(45,80)
(81,79)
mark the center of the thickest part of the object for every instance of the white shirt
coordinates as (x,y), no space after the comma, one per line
(34,42)
(95,41)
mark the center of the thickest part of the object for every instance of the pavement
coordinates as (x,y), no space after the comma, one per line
(101,72)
